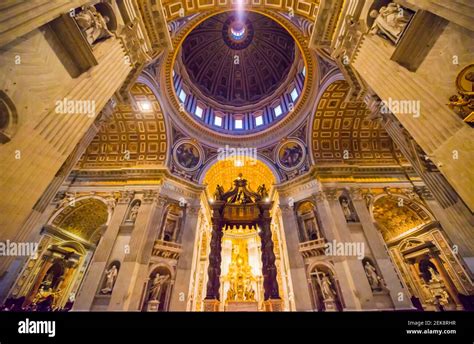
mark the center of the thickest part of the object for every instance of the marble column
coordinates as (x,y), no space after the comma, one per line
(132,276)
(211,302)
(98,264)
(269,269)
(399,295)
(349,271)
(301,289)
(189,243)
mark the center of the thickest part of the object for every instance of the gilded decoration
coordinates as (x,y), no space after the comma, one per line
(83,218)
(135,135)
(398,215)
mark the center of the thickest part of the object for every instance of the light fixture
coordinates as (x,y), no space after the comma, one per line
(145,105)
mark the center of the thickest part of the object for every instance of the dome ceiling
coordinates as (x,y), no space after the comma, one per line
(238,61)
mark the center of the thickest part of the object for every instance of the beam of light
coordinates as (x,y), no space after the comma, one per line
(240,10)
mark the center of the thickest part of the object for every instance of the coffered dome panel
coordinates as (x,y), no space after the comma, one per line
(238,60)
(135,135)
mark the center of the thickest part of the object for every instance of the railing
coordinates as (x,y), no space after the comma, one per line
(166,249)
(312,248)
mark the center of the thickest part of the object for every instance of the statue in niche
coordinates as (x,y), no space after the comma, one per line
(169,229)
(390,20)
(110,277)
(156,286)
(132,215)
(329,294)
(92,24)
(375,281)
(310,230)
(346,208)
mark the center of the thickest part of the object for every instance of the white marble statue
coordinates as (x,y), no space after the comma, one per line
(132,215)
(327,289)
(375,280)
(346,209)
(93,24)
(110,277)
(156,286)
(391,20)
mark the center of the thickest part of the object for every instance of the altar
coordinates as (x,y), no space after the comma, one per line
(241,306)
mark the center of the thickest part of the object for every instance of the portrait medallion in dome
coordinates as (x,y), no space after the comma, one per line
(290,154)
(188,155)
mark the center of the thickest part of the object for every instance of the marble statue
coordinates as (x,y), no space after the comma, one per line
(347,209)
(110,277)
(93,24)
(327,288)
(156,286)
(390,20)
(375,280)
(132,216)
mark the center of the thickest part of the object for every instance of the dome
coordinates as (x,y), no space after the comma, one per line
(238,74)
(238,60)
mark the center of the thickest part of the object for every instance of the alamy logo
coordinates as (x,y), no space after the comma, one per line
(8,248)
(240,155)
(74,106)
(345,249)
(37,327)
(405,107)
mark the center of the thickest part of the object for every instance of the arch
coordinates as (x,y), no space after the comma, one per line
(68,203)
(76,246)
(224,171)
(309,226)
(396,214)
(317,273)
(83,217)
(171,223)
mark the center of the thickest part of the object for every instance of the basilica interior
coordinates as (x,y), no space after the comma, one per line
(237,155)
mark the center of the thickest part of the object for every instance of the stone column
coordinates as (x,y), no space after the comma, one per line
(211,302)
(400,297)
(128,288)
(189,237)
(269,269)
(301,289)
(45,207)
(348,269)
(98,264)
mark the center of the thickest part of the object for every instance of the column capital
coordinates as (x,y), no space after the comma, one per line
(149,196)
(126,196)
(356,194)
(423,192)
(331,194)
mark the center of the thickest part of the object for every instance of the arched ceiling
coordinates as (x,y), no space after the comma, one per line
(224,172)
(134,136)
(395,216)
(341,132)
(83,219)
(237,60)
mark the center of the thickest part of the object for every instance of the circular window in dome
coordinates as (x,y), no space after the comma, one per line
(238,73)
